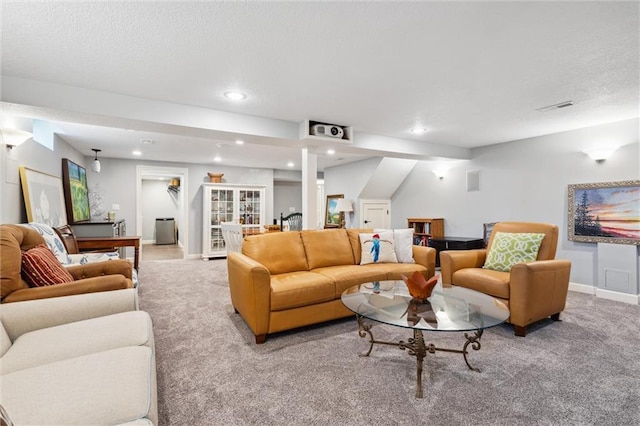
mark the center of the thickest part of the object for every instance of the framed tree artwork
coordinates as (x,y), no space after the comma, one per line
(76,192)
(332,217)
(43,197)
(604,212)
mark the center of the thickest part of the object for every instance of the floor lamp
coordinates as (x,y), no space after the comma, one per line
(344,206)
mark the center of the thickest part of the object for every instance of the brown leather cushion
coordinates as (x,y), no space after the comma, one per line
(327,247)
(279,252)
(486,281)
(41,268)
(303,288)
(14,239)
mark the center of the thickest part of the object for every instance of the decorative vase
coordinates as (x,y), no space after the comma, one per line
(418,286)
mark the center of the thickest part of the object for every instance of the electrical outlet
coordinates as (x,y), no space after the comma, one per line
(115,207)
(292,209)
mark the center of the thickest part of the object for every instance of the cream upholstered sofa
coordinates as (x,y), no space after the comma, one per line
(82,359)
(284,280)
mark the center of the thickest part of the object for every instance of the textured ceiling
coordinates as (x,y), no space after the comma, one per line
(473,73)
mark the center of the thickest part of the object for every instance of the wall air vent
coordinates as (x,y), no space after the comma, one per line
(556,106)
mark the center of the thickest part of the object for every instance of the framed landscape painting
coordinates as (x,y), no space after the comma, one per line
(43,198)
(333,218)
(605,212)
(76,192)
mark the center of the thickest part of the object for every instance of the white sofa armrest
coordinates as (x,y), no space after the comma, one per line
(22,317)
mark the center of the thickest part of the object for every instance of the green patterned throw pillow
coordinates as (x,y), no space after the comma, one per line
(508,249)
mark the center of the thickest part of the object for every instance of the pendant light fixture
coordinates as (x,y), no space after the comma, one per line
(95,166)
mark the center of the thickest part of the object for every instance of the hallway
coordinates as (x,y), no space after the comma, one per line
(161,252)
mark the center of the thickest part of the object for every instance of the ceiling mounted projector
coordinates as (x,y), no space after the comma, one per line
(327,130)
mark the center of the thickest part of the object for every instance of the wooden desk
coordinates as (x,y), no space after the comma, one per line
(98,243)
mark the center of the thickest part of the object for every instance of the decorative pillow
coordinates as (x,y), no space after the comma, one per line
(508,248)
(41,268)
(53,241)
(403,243)
(377,248)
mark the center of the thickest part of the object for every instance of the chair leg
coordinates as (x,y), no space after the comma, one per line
(556,316)
(261,338)
(520,330)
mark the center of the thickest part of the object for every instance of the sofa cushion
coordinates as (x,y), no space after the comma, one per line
(79,338)
(107,387)
(405,269)
(346,276)
(402,243)
(377,248)
(41,268)
(327,247)
(294,289)
(508,249)
(279,252)
(488,281)
(354,239)
(52,240)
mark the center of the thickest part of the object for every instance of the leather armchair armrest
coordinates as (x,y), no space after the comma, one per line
(425,256)
(538,289)
(88,285)
(109,267)
(453,260)
(22,317)
(250,287)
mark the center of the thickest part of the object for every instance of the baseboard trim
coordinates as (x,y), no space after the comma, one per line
(148,241)
(632,299)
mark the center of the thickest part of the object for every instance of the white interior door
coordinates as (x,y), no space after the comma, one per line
(375,214)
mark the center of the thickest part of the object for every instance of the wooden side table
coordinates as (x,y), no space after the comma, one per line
(101,243)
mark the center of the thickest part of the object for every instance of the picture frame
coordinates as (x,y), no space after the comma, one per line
(76,192)
(332,217)
(43,197)
(607,212)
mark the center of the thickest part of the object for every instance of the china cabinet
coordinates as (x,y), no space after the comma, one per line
(244,204)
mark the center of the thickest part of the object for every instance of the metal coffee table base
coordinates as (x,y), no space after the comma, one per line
(418,348)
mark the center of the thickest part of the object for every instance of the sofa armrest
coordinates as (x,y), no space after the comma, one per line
(425,256)
(453,260)
(250,287)
(22,317)
(110,267)
(538,289)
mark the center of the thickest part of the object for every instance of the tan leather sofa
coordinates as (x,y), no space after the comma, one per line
(94,277)
(285,280)
(86,359)
(532,291)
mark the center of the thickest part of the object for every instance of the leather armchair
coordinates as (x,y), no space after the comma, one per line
(533,290)
(94,277)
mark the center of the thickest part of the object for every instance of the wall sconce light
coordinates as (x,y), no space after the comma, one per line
(344,205)
(95,166)
(600,154)
(440,173)
(14,137)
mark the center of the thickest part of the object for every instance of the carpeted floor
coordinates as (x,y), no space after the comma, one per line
(584,370)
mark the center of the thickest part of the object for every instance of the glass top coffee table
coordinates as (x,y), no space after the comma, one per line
(448,309)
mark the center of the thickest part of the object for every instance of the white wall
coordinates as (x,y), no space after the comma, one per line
(523,180)
(158,202)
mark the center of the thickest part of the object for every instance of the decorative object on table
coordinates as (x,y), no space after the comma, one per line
(43,197)
(215,177)
(344,206)
(332,217)
(605,212)
(76,192)
(96,206)
(419,287)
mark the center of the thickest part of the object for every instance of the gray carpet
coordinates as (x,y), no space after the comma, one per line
(584,370)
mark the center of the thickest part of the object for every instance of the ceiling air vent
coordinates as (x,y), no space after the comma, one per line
(556,106)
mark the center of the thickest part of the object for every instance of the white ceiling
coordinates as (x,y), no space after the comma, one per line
(473,73)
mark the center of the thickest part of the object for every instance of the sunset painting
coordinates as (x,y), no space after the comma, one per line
(607,212)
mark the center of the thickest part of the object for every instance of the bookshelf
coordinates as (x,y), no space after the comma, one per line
(425,229)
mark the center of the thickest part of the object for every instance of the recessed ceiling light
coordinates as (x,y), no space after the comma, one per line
(217,159)
(418,130)
(239,142)
(290,164)
(331,151)
(137,152)
(235,96)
